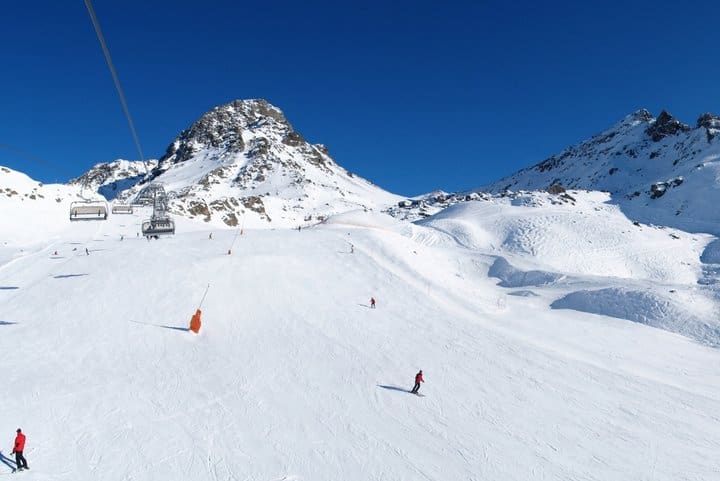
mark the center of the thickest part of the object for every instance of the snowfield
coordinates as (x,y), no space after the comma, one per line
(294,377)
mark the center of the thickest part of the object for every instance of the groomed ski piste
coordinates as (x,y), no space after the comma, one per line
(519,312)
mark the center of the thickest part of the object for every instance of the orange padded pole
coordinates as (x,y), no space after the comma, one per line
(195,322)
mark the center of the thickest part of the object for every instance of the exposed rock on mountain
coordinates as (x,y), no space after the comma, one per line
(664,126)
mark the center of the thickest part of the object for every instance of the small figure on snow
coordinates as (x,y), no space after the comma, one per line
(122,237)
(372,303)
(18,451)
(352,249)
(210,236)
(87,252)
(418,380)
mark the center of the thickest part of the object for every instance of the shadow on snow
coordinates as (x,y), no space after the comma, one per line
(174,328)
(394,388)
(7,461)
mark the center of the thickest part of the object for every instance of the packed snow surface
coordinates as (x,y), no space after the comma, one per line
(294,377)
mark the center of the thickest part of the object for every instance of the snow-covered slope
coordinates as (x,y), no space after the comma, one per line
(658,170)
(578,251)
(243,164)
(31,212)
(293,377)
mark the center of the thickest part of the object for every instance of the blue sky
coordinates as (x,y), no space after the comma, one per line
(414,96)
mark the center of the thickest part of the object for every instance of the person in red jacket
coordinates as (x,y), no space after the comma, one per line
(18,451)
(418,380)
(372,303)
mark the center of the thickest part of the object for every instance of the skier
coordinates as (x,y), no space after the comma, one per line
(372,303)
(418,380)
(18,451)
(210,236)
(87,252)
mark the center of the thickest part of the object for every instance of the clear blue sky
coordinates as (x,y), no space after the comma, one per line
(413,95)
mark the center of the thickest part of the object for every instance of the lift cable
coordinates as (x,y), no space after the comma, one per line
(100,36)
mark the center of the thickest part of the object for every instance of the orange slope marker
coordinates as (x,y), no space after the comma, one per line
(195,322)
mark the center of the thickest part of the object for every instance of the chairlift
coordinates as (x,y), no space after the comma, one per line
(122,209)
(88,210)
(155,227)
(160,222)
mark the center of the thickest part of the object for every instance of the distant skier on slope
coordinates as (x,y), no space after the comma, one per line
(18,451)
(372,303)
(418,380)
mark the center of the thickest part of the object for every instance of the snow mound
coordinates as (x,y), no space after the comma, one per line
(585,236)
(711,254)
(511,277)
(645,307)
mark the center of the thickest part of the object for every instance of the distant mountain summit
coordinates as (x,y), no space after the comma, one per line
(659,169)
(244,160)
(111,178)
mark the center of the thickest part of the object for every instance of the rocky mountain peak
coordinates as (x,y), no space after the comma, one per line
(708,121)
(641,115)
(665,125)
(221,128)
(243,161)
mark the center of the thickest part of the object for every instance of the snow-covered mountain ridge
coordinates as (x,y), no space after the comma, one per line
(243,162)
(659,170)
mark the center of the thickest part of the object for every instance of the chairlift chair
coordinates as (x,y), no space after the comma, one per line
(122,209)
(88,210)
(154,227)
(160,223)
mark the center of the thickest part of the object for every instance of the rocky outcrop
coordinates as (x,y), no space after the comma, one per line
(708,121)
(665,126)
(711,124)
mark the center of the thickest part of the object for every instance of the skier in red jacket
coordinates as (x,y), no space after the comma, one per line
(18,451)
(372,303)
(418,380)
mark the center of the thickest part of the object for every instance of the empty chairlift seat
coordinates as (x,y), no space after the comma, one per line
(88,211)
(158,226)
(122,209)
